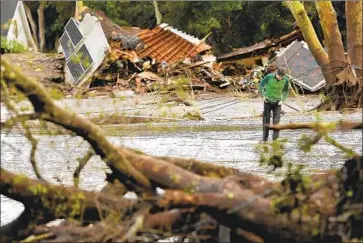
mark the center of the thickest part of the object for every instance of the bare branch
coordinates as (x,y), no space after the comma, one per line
(82,163)
(28,134)
(34,144)
(345,149)
(138,224)
(342,125)
(43,103)
(10,123)
(37,194)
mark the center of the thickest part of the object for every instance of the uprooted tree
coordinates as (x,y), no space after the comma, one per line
(199,198)
(343,73)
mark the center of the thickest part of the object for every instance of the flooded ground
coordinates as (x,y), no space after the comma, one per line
(228,136)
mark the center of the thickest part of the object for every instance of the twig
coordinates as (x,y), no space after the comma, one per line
(307,144)
(138,224)
(292,107)
(348,151)
(82,163)
(10,123)
(34,143)
(191,66)
(37,238)
(28,134)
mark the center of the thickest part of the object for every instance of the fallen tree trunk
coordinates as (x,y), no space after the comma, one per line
(59,201)
(230,205)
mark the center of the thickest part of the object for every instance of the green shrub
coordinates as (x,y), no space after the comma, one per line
(11,46)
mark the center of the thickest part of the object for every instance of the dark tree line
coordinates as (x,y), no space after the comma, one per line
(231,24)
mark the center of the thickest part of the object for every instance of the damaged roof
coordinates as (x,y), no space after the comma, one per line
(165,43)
(261,46)
(109,26)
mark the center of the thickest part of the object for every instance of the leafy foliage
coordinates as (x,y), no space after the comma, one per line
(233,23)
(271,154)
(127,13)
(11,46)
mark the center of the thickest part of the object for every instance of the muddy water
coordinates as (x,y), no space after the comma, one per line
(228,142)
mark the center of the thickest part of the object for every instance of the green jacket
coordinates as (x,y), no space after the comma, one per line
(272,89)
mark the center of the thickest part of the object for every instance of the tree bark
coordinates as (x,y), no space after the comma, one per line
(307,29)
(33,25)
(345,93)
(332,35)
(41,24)
(40,195)
(79,9)
(230,204)
(353,10)
(157,12)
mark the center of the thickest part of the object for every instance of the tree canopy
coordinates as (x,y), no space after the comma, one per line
(232,24)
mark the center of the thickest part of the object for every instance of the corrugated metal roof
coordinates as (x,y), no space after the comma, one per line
(165,43)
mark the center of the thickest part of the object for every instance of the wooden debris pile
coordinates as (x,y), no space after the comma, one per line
(125,68)
(161,59)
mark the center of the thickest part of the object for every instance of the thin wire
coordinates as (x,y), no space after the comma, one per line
(221,107)
(211,106)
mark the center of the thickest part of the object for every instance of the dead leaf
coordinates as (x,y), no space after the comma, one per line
(347,76)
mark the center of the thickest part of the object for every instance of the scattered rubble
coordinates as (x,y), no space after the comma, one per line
(162,59)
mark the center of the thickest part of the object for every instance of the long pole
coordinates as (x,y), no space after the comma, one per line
(291,107)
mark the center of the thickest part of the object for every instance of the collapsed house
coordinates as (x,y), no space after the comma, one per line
(260,53)
(304,70)
(163,50)
(97,48)
(15,25)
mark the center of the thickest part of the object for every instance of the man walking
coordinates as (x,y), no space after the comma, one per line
(274,89)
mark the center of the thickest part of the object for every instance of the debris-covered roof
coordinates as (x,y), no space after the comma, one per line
(165,43)
(261,46)
(109,26)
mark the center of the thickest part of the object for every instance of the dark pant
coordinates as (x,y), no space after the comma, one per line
(276,109)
